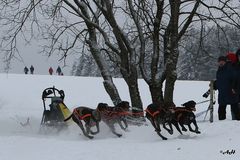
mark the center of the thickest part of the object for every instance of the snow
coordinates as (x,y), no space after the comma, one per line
(20,98)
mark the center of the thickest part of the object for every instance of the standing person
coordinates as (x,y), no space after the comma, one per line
(238,75)
(238,52)
(226,84)
(31,69)
(25,70)
(59,71)
(233,60)
(50,70)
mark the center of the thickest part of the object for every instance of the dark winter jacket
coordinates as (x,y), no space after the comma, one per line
(59,71)
(238,78)
(226,81)
(25,70)
(50,70)
(31,69)
(238,70)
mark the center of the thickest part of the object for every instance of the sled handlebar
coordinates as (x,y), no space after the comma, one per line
(51,92)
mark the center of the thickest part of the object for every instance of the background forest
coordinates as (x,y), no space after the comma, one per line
(198,55)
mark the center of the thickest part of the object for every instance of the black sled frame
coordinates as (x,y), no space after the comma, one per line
(52,114)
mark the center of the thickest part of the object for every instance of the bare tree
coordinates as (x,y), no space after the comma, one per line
(200,49)
(123,50)
(163,24)
(50,18)
(134,34)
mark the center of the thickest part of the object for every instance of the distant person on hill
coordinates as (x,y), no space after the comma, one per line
(25,70)
(50,71)
(59,71)
(31,69)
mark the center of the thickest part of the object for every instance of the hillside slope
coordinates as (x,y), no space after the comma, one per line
(20,98)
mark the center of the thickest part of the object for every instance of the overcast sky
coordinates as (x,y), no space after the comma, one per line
(31,56)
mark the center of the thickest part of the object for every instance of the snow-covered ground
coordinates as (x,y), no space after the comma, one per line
(20,98)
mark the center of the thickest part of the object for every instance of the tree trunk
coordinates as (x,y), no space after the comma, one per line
(127,54)
(132,82)
(108,82)
(96,53)
(135,97)
(171,52)
(102,65)
(156,92)
(171,76)
(169,87)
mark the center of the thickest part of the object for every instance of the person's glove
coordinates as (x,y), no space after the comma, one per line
(206,94)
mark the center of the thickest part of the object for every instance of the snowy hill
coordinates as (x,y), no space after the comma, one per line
(20,98)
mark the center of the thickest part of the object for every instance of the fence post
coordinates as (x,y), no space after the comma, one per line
(211,101)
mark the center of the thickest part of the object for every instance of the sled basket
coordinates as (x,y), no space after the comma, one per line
(55,111)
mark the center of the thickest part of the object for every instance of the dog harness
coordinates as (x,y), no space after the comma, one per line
(108,114)
(181,110)
(152,114)
(81,117)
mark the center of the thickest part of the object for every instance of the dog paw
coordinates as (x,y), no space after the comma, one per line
(170,132)
(119,135)
(93,133)
(90,137)
(184,129)
(127,130)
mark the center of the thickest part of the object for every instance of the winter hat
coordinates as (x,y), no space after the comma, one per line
(232,57)
(222,58)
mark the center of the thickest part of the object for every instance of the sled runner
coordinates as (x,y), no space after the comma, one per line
(54,113)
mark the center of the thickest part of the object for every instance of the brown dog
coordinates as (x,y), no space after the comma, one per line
(112,115)
(91,117)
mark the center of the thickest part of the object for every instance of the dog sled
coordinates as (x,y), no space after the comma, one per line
(55,111)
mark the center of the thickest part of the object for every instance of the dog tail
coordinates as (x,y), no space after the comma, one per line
(68,118)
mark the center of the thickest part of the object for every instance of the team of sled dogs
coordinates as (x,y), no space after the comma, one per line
(156,114)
